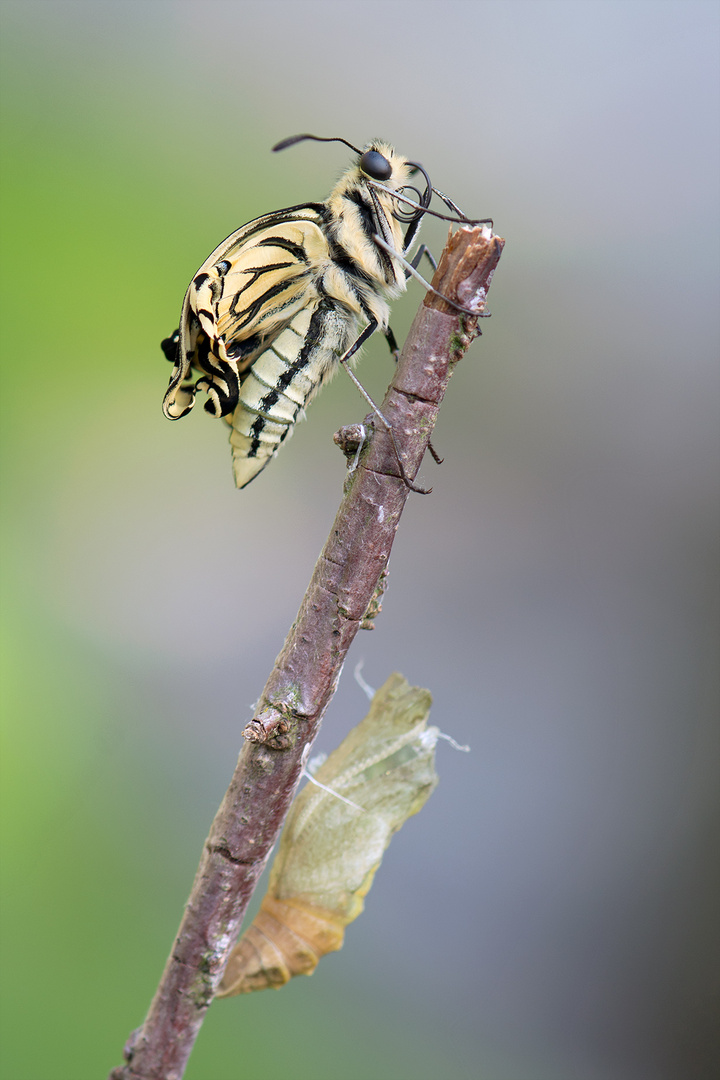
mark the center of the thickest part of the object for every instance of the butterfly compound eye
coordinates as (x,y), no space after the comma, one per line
(375,165)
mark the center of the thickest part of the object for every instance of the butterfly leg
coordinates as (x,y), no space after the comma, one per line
(410,271)
(415,261)
(368,332)
(395,350)
(392,344)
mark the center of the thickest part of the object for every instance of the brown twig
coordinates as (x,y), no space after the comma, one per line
(296,695)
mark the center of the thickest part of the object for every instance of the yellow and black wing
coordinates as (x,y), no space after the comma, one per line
(240,300)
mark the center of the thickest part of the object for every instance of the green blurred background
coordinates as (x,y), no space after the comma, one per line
(551,914)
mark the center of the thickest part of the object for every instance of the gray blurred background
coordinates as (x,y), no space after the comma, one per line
(552,913)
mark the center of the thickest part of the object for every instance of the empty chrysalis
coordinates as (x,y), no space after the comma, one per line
(334,839)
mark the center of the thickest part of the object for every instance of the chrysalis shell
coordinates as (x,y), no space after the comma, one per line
(384,771)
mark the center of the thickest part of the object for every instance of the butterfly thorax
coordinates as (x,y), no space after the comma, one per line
(356,212)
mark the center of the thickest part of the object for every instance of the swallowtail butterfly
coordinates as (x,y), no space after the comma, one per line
(284,301)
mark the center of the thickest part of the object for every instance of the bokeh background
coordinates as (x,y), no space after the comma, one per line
(552,913)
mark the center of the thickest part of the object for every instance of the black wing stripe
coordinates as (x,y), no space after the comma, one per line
(279,217)
(297,250)
(264,298)
(258,271)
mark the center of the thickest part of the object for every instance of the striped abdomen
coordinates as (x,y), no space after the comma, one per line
(281,382)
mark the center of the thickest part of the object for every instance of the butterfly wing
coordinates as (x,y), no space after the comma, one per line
(242,297)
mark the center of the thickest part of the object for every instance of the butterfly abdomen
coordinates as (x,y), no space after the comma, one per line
(283,380)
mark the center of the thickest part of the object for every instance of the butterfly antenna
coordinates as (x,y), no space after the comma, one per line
(283,145)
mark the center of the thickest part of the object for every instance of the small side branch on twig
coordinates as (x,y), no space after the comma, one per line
(337,602)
